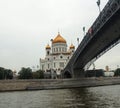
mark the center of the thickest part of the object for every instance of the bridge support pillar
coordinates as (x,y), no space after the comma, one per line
(78,73)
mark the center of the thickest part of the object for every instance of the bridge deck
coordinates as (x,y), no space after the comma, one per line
(103,35)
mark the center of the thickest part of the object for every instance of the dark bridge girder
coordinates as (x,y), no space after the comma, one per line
(105,34)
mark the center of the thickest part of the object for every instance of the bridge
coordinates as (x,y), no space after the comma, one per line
(103,35)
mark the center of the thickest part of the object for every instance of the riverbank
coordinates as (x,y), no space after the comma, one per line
(45,84)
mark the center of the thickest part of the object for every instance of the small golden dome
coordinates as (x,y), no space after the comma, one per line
(72,46)
(48,46)
(59,39)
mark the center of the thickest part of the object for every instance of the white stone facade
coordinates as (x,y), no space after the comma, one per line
(57,56)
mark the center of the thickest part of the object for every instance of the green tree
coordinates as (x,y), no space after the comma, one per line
(8,74)
(5,73)
(35,75)
(117,72)
(39,74)
(25,73)
(2,73)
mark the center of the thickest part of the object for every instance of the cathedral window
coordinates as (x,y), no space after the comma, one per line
(63,49)
(56,49)
(48,52)
(61,57)
(60,49)
(48,66)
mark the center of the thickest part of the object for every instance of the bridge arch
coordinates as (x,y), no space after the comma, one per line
(67,74)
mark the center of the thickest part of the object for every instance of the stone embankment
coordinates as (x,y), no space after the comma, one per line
(44,84)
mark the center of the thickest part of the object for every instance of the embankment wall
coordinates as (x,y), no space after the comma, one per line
(44,84)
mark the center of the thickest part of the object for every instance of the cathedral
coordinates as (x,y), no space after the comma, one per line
(57,57)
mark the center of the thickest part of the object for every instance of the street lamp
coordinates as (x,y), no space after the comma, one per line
(98,3)
(78,41)
(84,31)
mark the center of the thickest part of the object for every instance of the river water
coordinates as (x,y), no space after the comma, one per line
(96,97)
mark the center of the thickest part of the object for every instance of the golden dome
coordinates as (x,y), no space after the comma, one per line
(72,46)
(59,39)
(48,46)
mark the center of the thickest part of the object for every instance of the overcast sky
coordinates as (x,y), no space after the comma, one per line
(27,26)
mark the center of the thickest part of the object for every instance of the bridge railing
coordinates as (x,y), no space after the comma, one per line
(111,7)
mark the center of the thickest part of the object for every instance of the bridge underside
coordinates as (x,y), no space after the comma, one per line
(107,36)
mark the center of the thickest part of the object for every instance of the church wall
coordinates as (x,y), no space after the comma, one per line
(57,57)
(59,47)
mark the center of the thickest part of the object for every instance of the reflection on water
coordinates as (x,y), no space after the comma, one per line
(97,97)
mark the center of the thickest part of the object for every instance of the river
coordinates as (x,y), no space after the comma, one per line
(96,97)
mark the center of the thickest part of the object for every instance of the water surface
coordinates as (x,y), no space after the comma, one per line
(96,97)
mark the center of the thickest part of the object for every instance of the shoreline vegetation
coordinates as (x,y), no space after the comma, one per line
(48,84)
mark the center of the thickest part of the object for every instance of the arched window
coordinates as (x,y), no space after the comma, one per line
(48,53)
(63,49)
(56,49)
(48,66)
(60,49)
(61,57)
(67,75)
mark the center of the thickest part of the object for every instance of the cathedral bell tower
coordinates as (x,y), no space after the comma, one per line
(72,48)
(48,50)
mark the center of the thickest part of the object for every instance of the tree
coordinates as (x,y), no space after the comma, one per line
(8,74)
(1,73)
(25,73)
(35,75)
(39,74)
(5,73)
(117,72)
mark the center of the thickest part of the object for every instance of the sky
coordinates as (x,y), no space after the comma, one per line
(27,26)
